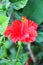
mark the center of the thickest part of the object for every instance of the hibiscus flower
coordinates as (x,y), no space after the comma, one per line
(24,30)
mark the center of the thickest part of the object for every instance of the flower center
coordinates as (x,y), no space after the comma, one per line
(24,19)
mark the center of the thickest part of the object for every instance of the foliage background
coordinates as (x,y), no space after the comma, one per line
(15,9)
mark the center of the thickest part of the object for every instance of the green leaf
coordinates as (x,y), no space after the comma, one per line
(19,4)
(10,62)
(39,38)
(34,10)
(23,58)
(0,29)
(18,15)
(3,52)
(1,5)
(1,40)
(10,10)
(2,9)
(4,22)
(7,62)
(41,64)
(2,12)
(39,55)
(13,53)
(7,4)
(8,44)
(18,63)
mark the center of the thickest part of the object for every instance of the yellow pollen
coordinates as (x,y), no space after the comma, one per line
(24,19)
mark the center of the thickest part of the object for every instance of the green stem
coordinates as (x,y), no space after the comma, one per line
(19,45)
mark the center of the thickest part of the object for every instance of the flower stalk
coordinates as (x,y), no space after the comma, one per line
(31,53)
(19,45)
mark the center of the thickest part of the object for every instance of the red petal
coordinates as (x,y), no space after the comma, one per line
(32,23)
(30,60)
(8,31)
(32,32)
(26,63)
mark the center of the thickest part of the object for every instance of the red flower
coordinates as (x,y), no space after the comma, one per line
(30,60)
(24,31)
(26,63)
